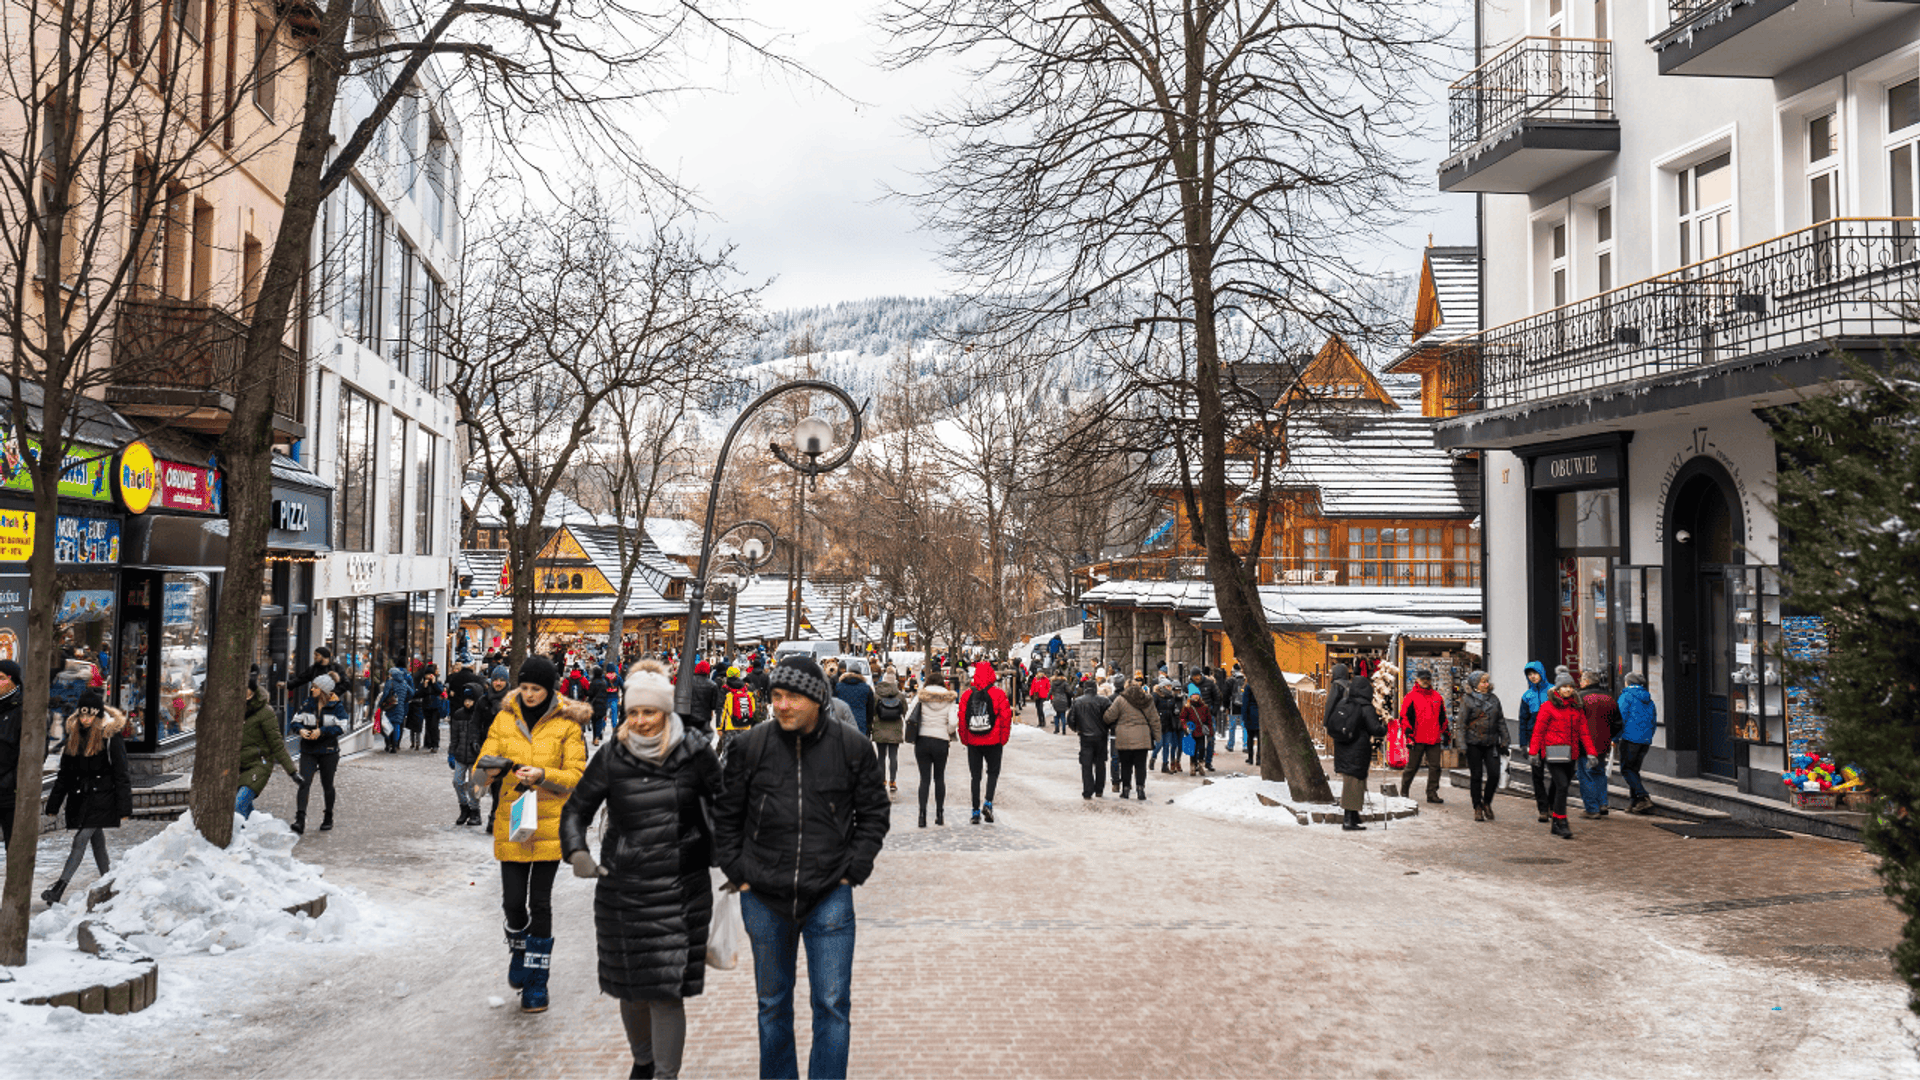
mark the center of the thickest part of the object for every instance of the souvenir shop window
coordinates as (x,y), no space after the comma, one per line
(1758,699)
(186,615)
(83,640)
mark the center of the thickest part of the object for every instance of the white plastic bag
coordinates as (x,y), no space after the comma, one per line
(524,821)
(728,933)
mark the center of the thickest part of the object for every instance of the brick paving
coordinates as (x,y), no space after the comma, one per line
(1138,939)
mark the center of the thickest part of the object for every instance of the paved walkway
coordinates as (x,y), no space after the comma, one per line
(1118,939)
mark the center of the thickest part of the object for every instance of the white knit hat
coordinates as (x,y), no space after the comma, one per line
(648,687)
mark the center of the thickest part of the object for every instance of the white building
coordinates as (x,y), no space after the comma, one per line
(388,248)
(1689,207)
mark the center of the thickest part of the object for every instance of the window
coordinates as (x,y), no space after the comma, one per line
(423,448)
(1557,267)
(1706,209)
(1602,20)
(1316,552)
(401,298)
(1903,132)
(1465,544)
(1424,567)
(354,469)
(361,248)
(202,251)
(266,65)
(396,483)
(1602,248)
(1374,554)
(439,176)
(433,317)
(410,137)
(252,259)
(1823,168)
(577,582)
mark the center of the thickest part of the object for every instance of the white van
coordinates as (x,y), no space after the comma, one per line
(821,650)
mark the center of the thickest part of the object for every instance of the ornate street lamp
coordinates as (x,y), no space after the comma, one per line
(812,440)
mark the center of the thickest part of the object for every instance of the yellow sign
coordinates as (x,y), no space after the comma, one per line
(16,535)
(136,478)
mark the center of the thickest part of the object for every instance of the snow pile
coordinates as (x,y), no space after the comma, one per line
(56,967)
(1238,798)
(176,894)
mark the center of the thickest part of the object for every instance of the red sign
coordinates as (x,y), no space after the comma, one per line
(187,487)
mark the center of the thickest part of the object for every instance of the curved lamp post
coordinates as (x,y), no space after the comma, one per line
(812,440)
(737,570)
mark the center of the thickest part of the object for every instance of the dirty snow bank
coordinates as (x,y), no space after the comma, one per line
(1238,798)
(176,894)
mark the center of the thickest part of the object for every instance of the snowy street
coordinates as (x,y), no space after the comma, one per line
(1076,939)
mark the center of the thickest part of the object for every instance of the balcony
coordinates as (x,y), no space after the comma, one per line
(1760,39)
(179,361)
(1851,282)
(1421,573)
(1540,109)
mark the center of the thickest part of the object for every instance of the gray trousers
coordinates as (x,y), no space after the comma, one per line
(656,1032)
(1353,792)
(463,786)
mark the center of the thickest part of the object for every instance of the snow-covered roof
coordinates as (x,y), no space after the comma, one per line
(676,537)
(602,543)
(642,603)
(561,510)
(1363,608)
(1192,597)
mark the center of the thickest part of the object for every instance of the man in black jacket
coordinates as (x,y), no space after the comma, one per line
(706,698)
(1088,718)
(800,820)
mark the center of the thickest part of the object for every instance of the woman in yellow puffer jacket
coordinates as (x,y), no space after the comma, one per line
(535,737)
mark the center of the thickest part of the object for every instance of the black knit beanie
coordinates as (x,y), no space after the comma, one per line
(802,675)
(540,671)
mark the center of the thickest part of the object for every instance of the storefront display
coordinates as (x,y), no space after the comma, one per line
(1757,701)
(185,621)
(1804,638)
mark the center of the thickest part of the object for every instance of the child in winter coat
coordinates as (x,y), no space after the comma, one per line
(93,784)
(466,730)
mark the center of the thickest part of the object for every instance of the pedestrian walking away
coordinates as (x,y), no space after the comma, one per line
(1088,718)
(800,820)
(93,784)
(1250,717)
(986,722)
(261,747)
(1425,712)
(1062,701)
(1196,727)
(535,743)
(1638,716)
(1559,735)
(466,733)
(1136,727)
(1484,729)
(319,727)
(10,695)
(653,896)
(706,699)
(432,699)
(851,687)
(1603,724)
(1166,701)
(1041,690)
(1353,723)
(889,727)
(932,725)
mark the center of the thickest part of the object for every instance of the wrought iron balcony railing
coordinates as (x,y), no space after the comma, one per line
(1553,79)
(191,345)
(1684,11)
(1434,572)
(1849,278)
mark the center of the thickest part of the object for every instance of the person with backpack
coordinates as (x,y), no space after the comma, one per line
(1088,718)
(986,722)
(1062,688)
(1603,726)
(932,725)
(889,726)
(1352,725)
(1166,702)
(1484,729)
(738,709)
(1041,690)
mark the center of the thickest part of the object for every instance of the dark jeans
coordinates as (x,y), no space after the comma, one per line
(1093,766)
(828,931)
(6,819)
(1483,760)
(1559,778)
(1431,752)
(990,757)
(1059,718)
(1632,756)
(324,764)
(1542,794)
(1133,771)
(526,895)
(930,754)
(1253,744)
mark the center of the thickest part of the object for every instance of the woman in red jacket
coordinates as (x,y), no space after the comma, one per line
(1560,731)
(1197,721)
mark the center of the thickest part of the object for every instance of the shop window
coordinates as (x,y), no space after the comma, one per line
(1587,525)
(186,616)
(83,645)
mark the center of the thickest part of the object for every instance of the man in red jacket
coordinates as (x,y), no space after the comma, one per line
(986,721)
(1425,711)
(1042,692)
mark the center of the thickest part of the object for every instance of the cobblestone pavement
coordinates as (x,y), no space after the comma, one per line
(1103,939)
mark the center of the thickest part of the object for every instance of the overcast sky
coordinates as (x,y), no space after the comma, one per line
(796,175)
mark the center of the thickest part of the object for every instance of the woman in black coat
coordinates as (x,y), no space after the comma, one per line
(93,784)
(653,903)
(1352,756)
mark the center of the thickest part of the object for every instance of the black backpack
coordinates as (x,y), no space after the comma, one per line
(980,718)
(889,713)
(1344,722)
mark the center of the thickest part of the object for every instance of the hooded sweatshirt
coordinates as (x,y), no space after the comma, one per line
(1530,701)
(983,683)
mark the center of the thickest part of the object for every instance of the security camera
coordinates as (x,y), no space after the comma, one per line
(1683,536)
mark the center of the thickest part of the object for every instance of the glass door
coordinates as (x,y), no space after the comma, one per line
(1714,671)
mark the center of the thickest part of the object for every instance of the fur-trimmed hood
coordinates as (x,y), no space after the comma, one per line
(938,695)
(112,724)
(852,676)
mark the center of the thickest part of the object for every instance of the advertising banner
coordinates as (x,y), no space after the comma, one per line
(88,468)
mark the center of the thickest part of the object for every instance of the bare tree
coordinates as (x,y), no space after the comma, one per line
(567,315)
(1129,173)
(110,119)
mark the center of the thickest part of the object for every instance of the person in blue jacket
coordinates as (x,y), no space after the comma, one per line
(394,697)
(1530,702)
(1639,715)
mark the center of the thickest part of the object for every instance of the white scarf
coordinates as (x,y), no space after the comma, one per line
(655,750)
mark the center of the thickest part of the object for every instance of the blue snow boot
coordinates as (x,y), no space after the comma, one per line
(517,956)
(533,995)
